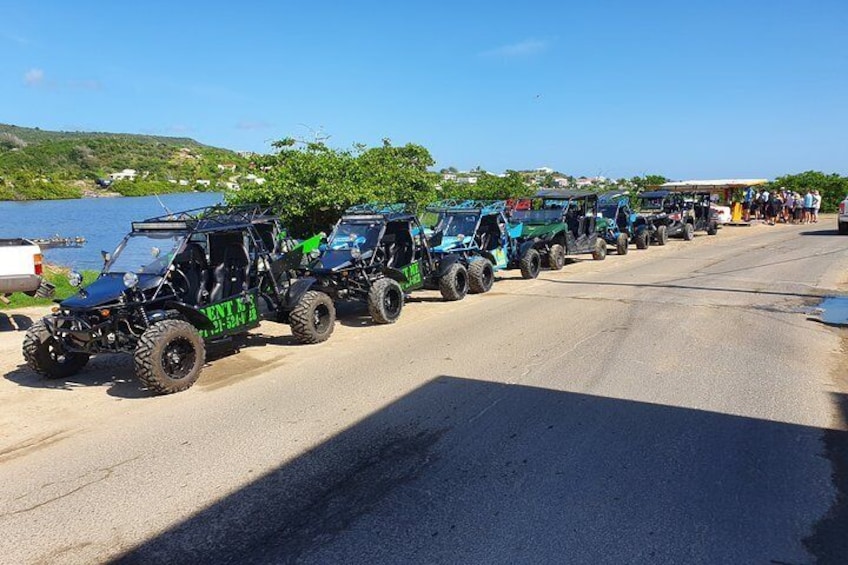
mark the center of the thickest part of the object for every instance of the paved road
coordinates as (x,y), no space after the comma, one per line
(668,406)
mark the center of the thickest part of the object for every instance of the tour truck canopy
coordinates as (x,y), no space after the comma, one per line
(716,185)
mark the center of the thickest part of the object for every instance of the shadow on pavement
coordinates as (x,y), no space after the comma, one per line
(820,232)
(14,322)
(465,471)
(112,370)
(691,287)
(117,372)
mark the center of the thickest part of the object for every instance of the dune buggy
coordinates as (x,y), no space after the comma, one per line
(173,285)
(375,254)
(619,225)
(678,214)
(557,223)
(478,233)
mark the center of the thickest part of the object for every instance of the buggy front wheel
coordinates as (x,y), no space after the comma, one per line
(454,283)
(385,301)
(556,257)
(530,264)
(169,356)
(621,243)
(662,235)
(481,275)
(313,317)
(600,251)
(45,356)
(643,239)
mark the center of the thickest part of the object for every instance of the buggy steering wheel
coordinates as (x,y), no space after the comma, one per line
(179,282)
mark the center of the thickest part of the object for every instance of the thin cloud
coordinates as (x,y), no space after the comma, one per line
(85,85)
(253,125)
(34,77)
(525,48)
(22,41)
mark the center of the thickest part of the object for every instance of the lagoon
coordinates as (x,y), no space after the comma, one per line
(103,222)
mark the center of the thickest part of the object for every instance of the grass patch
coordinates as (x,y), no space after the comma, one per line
(56,275)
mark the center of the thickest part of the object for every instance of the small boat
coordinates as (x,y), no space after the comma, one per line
(58,241)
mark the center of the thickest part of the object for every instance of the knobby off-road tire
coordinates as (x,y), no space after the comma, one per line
(481,276)
(688,232)
(712,228)
(530,264)
(643,239)
(40,353)
(662,235)
(622,242)
(454,283)
(556,257)
(169,356)
(313,318)
(385,301)
(600,251)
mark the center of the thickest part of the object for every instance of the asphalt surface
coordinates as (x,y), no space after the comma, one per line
(669,406)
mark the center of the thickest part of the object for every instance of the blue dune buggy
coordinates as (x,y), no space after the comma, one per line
(477,232)
(619,225)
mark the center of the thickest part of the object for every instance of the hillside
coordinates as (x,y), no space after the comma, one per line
(38,164)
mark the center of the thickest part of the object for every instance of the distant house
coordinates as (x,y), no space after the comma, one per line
(227,167)
(230,185)
(466,180)
(253,178)
(449,176)
(203,182)
(183,182)
(126,174)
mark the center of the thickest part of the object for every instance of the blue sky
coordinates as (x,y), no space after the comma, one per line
(687,89)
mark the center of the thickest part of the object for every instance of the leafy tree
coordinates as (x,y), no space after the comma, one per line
(311,184)
(489,187)
(647,181)
(832,187)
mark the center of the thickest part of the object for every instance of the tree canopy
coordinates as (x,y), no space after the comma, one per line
(832,187)
(311,184)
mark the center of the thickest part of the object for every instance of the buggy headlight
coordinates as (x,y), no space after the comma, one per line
(74,279)
(130,279)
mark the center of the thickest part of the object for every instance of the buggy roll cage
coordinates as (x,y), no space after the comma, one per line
(381,208)
(485,207)
(208,218)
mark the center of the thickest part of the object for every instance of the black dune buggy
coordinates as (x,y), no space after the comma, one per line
(677,214)
(173,285)
(376,254)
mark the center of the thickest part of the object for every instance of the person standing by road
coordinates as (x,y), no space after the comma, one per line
(808,207)
(788,206)
(814,213)
(748,197)
(798,211)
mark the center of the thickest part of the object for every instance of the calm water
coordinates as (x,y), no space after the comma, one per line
(103,222)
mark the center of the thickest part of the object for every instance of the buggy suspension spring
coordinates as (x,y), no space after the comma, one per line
(144,317)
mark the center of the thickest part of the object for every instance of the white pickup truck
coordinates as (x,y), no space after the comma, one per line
(842,220)
(21,269)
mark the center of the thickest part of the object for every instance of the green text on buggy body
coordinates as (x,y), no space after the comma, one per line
(230,315)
